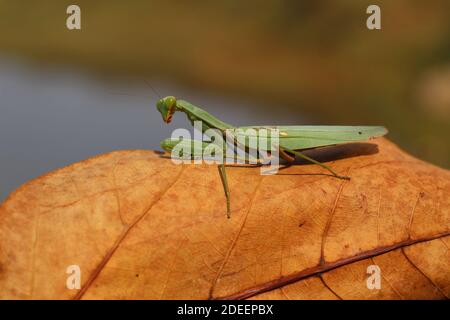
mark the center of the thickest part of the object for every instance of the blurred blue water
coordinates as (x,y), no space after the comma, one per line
(53,116)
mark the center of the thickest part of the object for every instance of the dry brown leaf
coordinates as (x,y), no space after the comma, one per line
(141,227)
(419,271)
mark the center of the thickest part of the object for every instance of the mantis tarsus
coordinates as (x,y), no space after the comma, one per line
(292,139)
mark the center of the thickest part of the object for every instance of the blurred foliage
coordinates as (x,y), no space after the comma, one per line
(314,57)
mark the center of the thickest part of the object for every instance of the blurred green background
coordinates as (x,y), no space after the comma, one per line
(314,58)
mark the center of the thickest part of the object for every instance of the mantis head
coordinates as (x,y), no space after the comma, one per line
(167,107)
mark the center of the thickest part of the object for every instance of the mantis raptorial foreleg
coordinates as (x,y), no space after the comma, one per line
(223,177)
(303,156)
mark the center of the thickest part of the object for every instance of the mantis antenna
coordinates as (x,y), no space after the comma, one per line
(153,89)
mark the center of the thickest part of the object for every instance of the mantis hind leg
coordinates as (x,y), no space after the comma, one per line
(286,156)
(223,177)
(303,156)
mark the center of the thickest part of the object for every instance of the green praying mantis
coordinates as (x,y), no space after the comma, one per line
(291,140)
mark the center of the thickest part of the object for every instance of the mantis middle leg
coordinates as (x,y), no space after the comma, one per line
(223,177)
